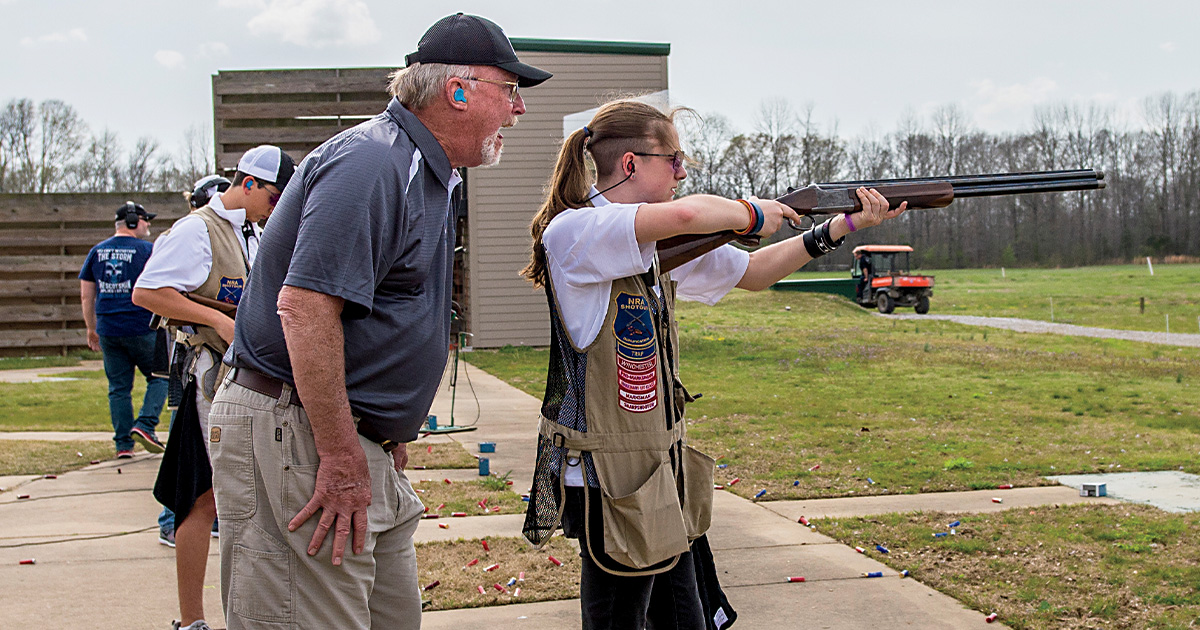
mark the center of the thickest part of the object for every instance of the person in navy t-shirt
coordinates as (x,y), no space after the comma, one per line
(121,330)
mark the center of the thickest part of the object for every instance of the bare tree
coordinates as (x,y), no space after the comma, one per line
(60,136)
(98,168)
(18,127)
(139,170)
(775,126)
(706,138)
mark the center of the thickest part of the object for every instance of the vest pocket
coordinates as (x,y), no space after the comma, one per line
(646,526)
(697,491)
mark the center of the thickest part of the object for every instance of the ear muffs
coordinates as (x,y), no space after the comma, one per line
(460,96)
(132,218)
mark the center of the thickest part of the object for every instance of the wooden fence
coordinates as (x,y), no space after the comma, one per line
(44,240)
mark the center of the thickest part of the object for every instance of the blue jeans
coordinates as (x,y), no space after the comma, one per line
(121,356)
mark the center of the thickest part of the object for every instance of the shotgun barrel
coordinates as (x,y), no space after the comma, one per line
(919,192)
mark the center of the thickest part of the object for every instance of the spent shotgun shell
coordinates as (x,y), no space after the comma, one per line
(22,496)
(491,567)
(815,467)
(472,563)
(496,508)
(432,585)
(860,550)
(441,506)
(94,461)
(722,465)
(955,524)
(991,618)
(444,525)
(79,453)
(803,521)
(49,476)
(870,481)
(795,579)
(953,532)
(28,561)
(997,500)
(480,589)
(735,480)
(904,573)
(1004,486)
(485,545)
(429,449)
(940,534)
(517,593)
(418,468)
(499,588)
(556,561)
(881,549)
(796,483)
(521,576)
(429,516)
(447,481)
(717,487)
(873,574)
(511,581)
(458,514)
(760,493)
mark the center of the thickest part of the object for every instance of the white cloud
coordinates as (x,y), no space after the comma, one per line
(57,37)
(310,23)
(1167,46)
(213,49)
(171,59)
(991,99)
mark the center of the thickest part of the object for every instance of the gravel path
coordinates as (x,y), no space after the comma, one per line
(1035,326)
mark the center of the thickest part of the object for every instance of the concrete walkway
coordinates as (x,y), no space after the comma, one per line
(1037,326)
(93,536)
(47,374)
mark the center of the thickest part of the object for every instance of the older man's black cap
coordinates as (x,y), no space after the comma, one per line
(134,208)
(470,40)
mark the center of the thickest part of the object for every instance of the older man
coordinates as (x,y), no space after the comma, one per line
(340,343)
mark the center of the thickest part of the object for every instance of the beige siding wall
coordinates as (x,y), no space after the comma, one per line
(502,308)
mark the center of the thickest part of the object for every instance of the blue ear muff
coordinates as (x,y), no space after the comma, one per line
(459,96)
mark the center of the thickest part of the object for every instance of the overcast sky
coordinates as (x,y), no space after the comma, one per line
(143,67)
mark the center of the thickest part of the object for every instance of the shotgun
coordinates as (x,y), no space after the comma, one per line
(919,192)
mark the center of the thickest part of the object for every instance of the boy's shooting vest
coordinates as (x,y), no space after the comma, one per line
(226,280)
(624,420)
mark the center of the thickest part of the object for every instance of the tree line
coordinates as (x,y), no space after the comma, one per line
(1150,207)
(48,148)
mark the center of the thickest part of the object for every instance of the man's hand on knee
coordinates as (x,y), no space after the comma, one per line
(342,494)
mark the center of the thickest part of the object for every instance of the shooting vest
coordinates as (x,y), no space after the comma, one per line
(226,280)
(624,420)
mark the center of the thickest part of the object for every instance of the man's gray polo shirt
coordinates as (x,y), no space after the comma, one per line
(365,218)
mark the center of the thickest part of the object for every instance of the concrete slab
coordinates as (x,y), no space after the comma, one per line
(741,524)
(440,474)
(773,565)
(539,616)
(851,605)
(58,436)
(12,482)
(470,527)
(1169,490)
(507,416)
(971,501)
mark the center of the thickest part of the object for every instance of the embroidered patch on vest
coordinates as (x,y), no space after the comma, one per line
(231,290)
(637,354)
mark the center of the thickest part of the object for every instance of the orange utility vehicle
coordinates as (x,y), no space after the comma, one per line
(884,281)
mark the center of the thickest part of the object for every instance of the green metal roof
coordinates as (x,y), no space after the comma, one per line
(590,46)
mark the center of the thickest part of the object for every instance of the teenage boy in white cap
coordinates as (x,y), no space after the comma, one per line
(341,341)
(207,253)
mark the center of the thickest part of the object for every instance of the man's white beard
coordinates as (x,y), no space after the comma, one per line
(490,152)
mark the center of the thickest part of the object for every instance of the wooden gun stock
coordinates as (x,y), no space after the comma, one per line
(919,192)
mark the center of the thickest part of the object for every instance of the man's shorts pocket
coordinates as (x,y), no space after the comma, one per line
(231,446)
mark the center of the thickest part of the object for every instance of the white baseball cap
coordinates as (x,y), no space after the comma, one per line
(268,164)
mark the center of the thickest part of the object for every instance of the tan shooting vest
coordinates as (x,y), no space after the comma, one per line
(652,507)
(226,276)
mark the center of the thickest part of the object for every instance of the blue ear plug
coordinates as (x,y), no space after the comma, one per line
(459,96)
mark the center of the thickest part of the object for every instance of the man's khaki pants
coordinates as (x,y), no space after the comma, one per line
(264,471)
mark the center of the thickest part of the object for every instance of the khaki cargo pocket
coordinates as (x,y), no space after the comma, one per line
(260,586)
(697,491)
(645,527)
(231,447)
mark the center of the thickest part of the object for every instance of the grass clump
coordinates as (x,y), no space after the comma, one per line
(445,562)
(1051,568)
(464,496)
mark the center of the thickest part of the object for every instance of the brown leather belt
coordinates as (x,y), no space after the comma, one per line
(273,387)
(265,385)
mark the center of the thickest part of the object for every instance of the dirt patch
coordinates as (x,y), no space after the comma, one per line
(458,584)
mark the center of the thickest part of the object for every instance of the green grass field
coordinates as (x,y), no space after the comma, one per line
(1106,297)
(912,406)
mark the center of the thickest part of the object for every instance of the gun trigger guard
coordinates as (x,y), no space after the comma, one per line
(800,227)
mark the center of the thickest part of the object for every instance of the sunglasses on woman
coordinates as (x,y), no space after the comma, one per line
(676,159)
